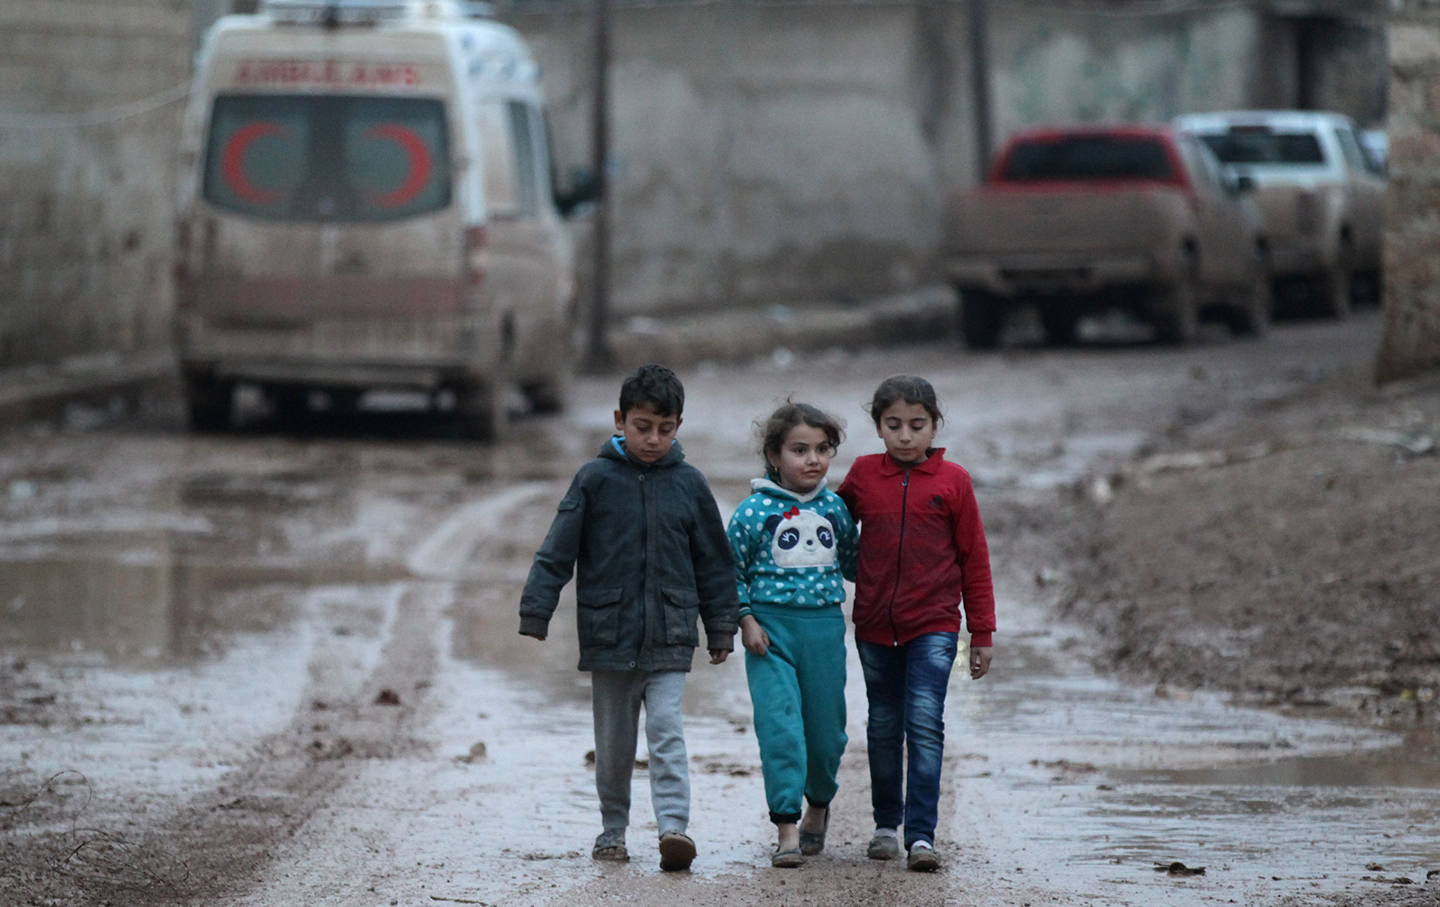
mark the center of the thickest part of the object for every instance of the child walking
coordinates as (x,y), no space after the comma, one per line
(922,556)
(793,542)
(652,555)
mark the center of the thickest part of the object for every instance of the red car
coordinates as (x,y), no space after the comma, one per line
(1082,220)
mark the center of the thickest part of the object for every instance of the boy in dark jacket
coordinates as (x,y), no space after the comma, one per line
(652,557)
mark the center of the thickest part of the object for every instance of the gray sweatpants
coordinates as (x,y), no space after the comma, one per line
(616,697)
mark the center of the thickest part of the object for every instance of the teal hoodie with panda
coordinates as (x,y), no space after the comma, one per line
(792,549)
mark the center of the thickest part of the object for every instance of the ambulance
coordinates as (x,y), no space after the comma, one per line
(367,208)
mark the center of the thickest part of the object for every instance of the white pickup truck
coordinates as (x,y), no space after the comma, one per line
(1319,189)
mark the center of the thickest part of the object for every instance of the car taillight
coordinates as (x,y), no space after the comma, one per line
(476,258)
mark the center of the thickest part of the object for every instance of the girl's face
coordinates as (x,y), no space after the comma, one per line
(803,460)
(907,430)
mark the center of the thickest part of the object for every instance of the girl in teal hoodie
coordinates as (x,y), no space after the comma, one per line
(794,544)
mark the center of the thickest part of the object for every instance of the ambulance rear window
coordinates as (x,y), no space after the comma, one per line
(327,157)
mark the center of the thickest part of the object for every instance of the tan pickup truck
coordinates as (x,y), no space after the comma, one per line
(1080,221)
(1321,194)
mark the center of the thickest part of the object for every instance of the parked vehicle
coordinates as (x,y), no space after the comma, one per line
(1077,221)
(368,207)
(1321,193)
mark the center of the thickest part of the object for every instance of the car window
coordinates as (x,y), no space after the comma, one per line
(527,161)
(1355,156)
(1089,157)
(327,157)
(502,182)
(1203,165)
(1261,145)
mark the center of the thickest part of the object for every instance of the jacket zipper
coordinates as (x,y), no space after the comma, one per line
(899,553)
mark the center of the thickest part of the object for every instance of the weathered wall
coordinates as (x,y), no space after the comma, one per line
(85,191)
(1066,65)
(766,151)
(770,152)
(1412,235)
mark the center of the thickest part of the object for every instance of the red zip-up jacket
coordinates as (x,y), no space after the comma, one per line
(922,551)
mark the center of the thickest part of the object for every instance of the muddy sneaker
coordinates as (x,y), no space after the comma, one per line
(676,851)
(922,858)
(610,846)
(883,847)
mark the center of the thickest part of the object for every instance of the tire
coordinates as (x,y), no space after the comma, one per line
(208,403)
(292,404)
(1251,318)
(1333,289)
(1175,312)
(547,395)
(982,317)
(479,412)
(1060,323)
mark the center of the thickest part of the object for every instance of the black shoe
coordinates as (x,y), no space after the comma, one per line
(677,851)
(812,842)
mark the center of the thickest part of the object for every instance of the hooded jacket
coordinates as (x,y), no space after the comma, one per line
(792,549)
(922,551)
(650,556)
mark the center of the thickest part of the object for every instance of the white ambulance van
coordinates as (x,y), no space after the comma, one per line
(368,207)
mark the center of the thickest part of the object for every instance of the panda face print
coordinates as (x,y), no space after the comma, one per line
(802,538)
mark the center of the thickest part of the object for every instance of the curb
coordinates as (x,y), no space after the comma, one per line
(45,393)
(684,341)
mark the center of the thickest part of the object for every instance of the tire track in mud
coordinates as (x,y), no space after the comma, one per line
(226,839)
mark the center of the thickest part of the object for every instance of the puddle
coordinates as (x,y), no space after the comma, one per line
(1101,782)
(132,599)
(1393,767)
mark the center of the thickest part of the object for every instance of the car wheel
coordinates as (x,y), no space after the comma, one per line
(1176,313)
(208,403)
(982,316)
(1251,318)
(479,412)
(1059,325)
(1333,289)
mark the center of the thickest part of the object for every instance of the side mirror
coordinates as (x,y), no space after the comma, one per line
(580,189)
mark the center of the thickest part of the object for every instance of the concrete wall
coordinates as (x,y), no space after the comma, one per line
(85,189)
(766,152)
(1412,236)
(776,152)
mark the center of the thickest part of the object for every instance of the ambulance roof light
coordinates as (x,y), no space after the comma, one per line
(357,12)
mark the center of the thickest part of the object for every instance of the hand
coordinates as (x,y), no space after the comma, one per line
(718,655)
(979,661)
(753,636)
(534,636)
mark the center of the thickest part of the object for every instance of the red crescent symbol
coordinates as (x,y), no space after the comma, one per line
(232,162)
(421,164)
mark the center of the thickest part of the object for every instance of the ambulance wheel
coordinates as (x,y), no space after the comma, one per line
(208,403)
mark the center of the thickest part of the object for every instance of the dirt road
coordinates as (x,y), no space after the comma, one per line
(259,669)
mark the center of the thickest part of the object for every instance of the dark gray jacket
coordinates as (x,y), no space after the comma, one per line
(652,557)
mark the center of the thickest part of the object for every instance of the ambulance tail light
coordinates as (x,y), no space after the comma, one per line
(477,259)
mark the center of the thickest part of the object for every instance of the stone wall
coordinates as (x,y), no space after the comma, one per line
(1412,236)
(87,171)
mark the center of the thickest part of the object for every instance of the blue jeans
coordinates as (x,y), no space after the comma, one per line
(906,687)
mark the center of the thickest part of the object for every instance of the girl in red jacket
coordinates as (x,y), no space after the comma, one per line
(922,557)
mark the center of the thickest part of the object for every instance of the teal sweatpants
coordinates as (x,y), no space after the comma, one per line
(798,689)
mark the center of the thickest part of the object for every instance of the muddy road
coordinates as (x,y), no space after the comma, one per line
(269,669)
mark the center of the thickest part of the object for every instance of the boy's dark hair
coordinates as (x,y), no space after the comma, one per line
(774,429)
(656,385)
(905,389)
